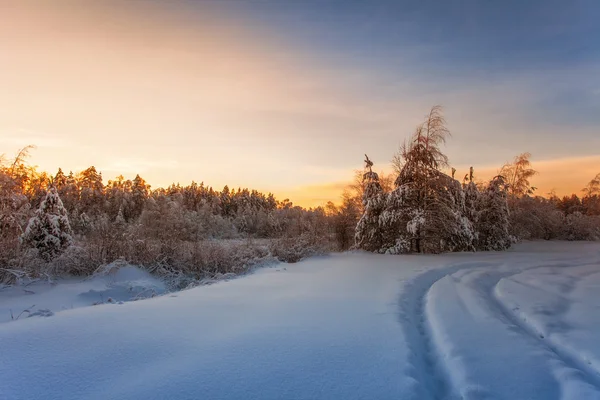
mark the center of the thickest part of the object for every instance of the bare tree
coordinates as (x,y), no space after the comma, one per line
(397,162)
(517,175)
(593,187)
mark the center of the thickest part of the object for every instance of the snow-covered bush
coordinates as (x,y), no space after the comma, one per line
(581,227)
(294,249)
(75,260)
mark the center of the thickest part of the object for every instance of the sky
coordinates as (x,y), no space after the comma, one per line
(288,96)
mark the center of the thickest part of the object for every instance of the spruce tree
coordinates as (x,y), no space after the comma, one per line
(368,235)
(49,230)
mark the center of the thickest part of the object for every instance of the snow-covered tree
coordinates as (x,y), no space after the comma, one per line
(425,213)
(471,197)
(14,204)
(368,235)
(49,230)
(493,223)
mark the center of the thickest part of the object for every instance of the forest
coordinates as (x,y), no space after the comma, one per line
(54,224)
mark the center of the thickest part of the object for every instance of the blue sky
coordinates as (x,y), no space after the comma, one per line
(442,45)
(535,63)
(287,95)
(462,36)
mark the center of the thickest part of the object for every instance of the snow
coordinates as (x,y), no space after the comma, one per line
(504,325)
(119,284)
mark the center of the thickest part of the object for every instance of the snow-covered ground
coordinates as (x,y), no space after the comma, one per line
(521,324)
(116,285)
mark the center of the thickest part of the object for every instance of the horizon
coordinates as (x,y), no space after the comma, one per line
(257,94)
(319,195)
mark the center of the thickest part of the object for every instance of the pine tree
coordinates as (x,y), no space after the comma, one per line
(493,223)
(368,234)
(49,230)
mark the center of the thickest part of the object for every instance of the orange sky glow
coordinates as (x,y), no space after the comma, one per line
(211,97)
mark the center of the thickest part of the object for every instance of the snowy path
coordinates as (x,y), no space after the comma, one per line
(517,325)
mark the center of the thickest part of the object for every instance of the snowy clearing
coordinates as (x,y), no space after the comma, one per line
(520,324)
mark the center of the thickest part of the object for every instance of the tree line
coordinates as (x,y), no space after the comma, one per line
(73,223)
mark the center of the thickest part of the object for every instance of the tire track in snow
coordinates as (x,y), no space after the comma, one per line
(569,358)
(424,358)
(489,283)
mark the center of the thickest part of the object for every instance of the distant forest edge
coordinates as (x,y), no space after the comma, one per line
(74,224)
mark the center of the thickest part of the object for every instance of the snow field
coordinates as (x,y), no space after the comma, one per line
(348,326)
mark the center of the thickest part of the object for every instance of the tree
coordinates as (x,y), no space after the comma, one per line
(593,187)
(49,230)
(91,191)
(419,207)
(60,179)
(68,190)
(343,220)
(493,224)
(471,198)
(591,198)
(139,192)
(368,235)
(14,204)
(517,174)
(425,213)
(397,162)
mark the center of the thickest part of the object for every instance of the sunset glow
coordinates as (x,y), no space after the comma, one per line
(239,94)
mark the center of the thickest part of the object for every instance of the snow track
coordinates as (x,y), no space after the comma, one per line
(424,358)
(570,359)
(553,328)
(504,345)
